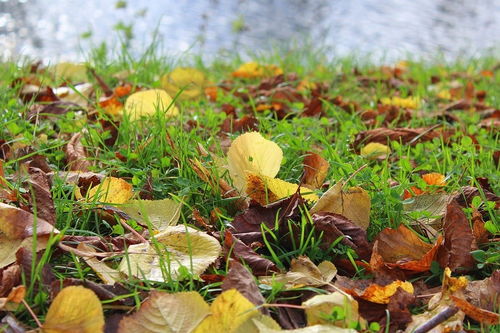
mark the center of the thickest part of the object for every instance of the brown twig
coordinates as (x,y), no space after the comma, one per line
(87,254)
(132,230)
(35,318)
(437,319)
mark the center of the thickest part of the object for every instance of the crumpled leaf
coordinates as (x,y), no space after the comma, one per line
(402,249)
(303,272)
(315,170)
(165,312)
(179,246)
(319,306)
(160,213)
(250,152)
(478,314)
(375,151)
(265,190)
(254,70)
(39,185)
(458,240)
(434,204)
(15,296)
(75,309)
(111,190)
(147,102)
(376,293)
(485,293)
(189,82)
(16,223)
(227,312)
(75,154)
(354,204)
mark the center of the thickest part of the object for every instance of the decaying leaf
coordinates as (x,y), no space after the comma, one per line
(315,170)
(160,213)
(16,223)
(478,314)
(147,102)
(103,271)
(376,293)
(354,204)
(111,190)
(189,83)
(265,190)
(405,135)
(319,307)
(178,246)
(303,272)
(250,152)
(402,249)
(434,206)
(165,312)
(76,155)
(75,309)
(15,296)
(9,247)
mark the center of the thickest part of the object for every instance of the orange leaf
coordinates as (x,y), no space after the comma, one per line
(434,178)
(478,314)
(315,170)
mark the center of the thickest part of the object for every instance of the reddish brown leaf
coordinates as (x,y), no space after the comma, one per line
(16,223)
(44,111)
(9,278)
(467,193)
(39,184)
(243,281)
(245,124)
(315,170)
(478,314)
(485,293)
(454,252)
(313,108)
(76,155)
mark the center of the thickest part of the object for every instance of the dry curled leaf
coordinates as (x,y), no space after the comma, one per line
(404,135)
(76,156)
(315,170)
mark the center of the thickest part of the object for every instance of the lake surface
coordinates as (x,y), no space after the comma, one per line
(60,30)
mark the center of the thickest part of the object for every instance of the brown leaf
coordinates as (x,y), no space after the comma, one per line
(75,154)
(485,293)
(402,249)
(245,124)
(478,314)
(315,170)
(467,193)
(44,111)
(16,223)
(242,280)
(334,225)
(398,309)
(239,251)
(9,278)
(404,135)
(313,108)
(39,183)
(455,250)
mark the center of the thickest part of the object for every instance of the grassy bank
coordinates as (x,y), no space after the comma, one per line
(315,106)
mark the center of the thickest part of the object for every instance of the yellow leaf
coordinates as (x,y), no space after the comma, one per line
(375,150)
(250,152)
(265,190)
(320,306)
(354,204)
(382,294)
(164,312)
(263,328)
(104,272)
(147,102)
(160,213)
(75,309)
(69,72)
(407,103)
(179,246)
(254,70)
(111,190)
(189,82)
(228,311)
(9,247)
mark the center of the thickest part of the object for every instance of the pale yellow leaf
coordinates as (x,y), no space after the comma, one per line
(188,82)
(250,152)
(75,309)
(375,150)
(251,325)
(179,246)
(163,312)
(262,328)
(321,306)
(354,203)
(227,312)
(9,247)
(160,213)
(148,102)
(67,71)
(107,274)
(111,190)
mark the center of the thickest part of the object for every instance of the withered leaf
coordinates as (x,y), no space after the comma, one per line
(16,223)
(404,135)
(39,183)
(75,154)
(315,170)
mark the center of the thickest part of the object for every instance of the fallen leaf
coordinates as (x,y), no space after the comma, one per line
(408,102)
(75,309)
(184,83)
(71,72)
(39,184)
(111,190)
(375,151)
(103,271)
(478,314)
(165,312)
(250,152)
(15,297)
(76,156)
(457,245)
(485,293)
(434,178)
(254,70)
(315,170)
(354,204)
(303,272)
(376,293)
(321,306)
(160,213)
(263,328)
(9,247)
(147,102)
(433,205)
(178,246)
(16,223)
(403,135)
(9,278)
(265,190)
(78,94)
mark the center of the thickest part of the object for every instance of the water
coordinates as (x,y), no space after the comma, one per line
(53,30)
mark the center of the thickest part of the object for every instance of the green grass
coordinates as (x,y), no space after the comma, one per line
(148,153)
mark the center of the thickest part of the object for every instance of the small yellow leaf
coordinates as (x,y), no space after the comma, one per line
(228,311)
(179,246)
(407,103)
(265,190)
(189,82)
(147,102)
(375,150)
(382,294)
(250,152)
(355,204)
(75,309)
(111,190)
(69,72)
(254,70)
(320,306)
(160,213)
(164,312)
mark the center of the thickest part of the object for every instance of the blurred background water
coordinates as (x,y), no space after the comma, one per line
(54,30)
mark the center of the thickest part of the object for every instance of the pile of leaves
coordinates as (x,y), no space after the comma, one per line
(178,206)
